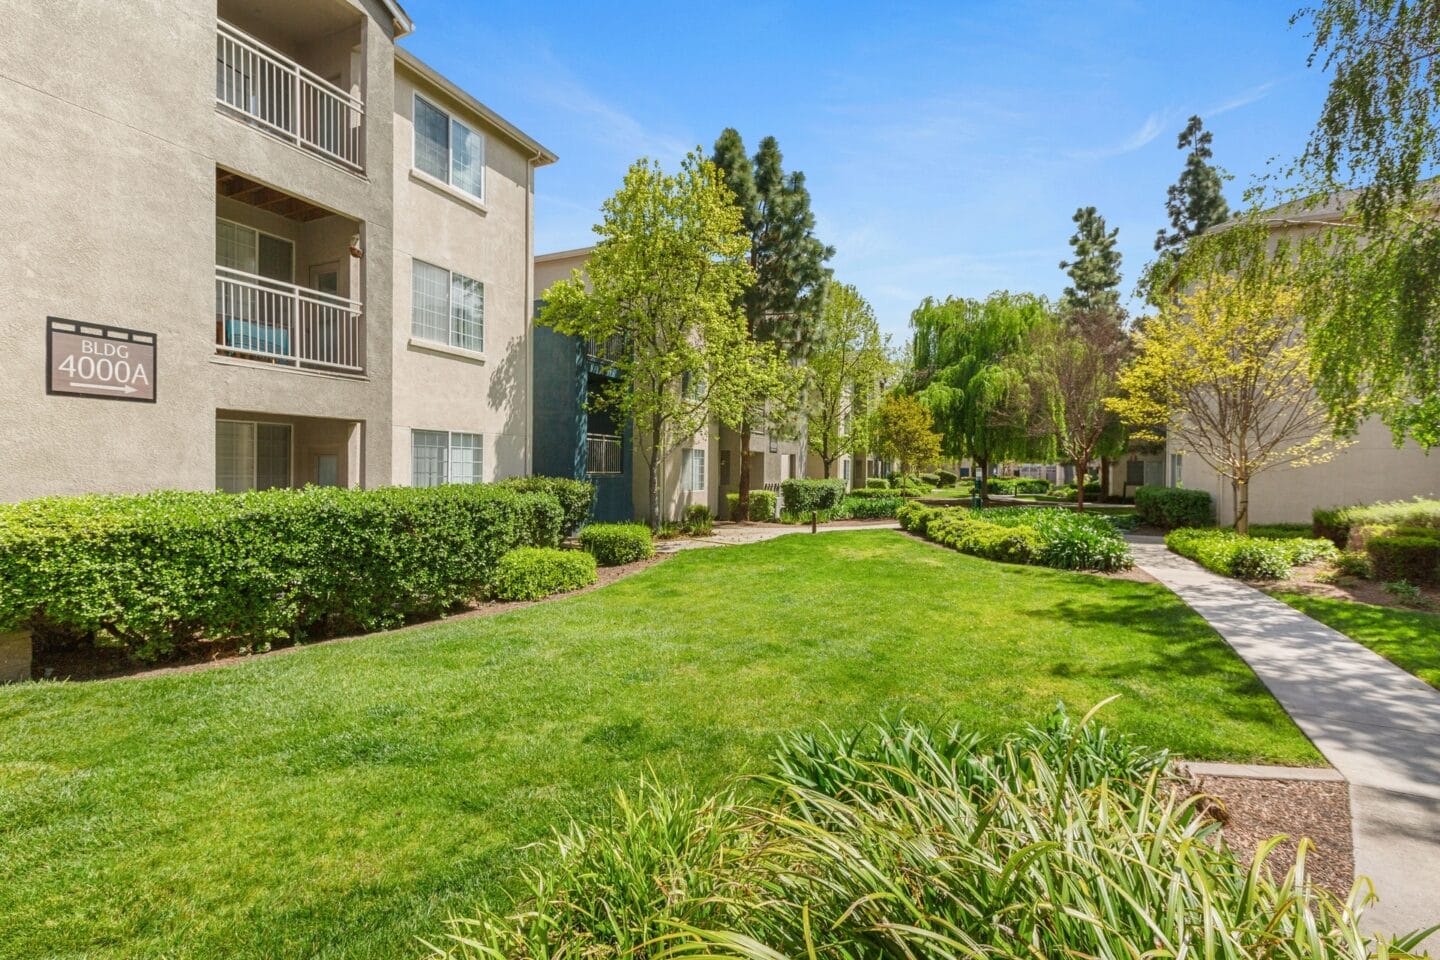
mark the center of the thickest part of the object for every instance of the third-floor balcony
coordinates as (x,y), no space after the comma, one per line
(258,84)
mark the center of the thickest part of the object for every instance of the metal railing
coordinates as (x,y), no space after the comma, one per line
(267,319)
(602,454)
(283,98)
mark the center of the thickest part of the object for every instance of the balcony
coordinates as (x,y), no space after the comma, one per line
(603,455)
(265,319)
(261,86)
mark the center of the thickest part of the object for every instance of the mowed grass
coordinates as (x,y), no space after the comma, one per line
(1410,639)
(343,799)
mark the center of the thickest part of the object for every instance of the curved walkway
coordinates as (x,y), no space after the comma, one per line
(1378,725)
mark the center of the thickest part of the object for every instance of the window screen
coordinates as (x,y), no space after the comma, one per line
(465,458)
(467,312)
(430,302)
(427,457)
(432,140)
(467,159)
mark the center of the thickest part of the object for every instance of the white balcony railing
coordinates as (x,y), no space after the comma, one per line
(602,454)
(277,94)
(266,319)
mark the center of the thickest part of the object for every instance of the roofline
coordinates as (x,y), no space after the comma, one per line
(564,254)
(403,24)
(542,155)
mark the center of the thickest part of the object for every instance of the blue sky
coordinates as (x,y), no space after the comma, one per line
(946,145)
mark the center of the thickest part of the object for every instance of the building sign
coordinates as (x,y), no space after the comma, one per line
(93,360)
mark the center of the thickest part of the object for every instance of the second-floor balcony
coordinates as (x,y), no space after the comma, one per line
(262,86)
(260,318)
(603,454)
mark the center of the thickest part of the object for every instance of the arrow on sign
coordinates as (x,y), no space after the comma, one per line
(104,386)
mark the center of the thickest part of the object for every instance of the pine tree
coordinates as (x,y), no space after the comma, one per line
(1095,271)
(1195,202)
(783,306)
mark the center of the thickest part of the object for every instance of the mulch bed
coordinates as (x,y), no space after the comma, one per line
(1252,810)
(1304,580)
(86,663)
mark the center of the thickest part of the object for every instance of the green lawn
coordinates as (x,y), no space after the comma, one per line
(1407,638)
(342,799)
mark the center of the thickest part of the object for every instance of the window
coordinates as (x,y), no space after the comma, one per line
(725,468)
(251,456)
(238,247)
(446,307)
(438,456)
(1176,463)
(448,150)
(692,470)
(845,470)
(1134,473)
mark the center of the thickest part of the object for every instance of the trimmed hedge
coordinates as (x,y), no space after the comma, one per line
(576,497)
(1170,508)
(868,508)
(947,478)
(530,573)
(1248,558)
(762,505)
(1056,538)
(615,543)
(1009,486)
(150,573)
(877,483)
(801,496)
(1336,524)
(1412,556)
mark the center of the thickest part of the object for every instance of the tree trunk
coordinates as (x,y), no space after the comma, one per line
(829,465)
(1242,506)
(1080,487)
(1105,478)
(984,464)
(655,476)
(742,503)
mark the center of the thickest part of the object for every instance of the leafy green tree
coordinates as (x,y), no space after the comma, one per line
(966,373)
(1095,270)
(905,431)
(666,279)
(784,304)
(1371,301)
(846,362)
(1195,203)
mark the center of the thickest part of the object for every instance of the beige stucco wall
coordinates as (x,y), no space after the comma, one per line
(1371,468)
(438,388)
(109,216)
(673,499)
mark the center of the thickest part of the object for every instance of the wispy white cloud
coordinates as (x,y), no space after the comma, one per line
(1242,99)
(1153,126)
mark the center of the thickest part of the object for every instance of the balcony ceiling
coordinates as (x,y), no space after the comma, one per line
(237,187)
(290,24)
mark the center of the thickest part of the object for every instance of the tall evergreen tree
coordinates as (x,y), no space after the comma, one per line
(1095,271)
(1195,202)
(783,306)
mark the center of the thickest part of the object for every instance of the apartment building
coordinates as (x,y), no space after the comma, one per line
(255,244)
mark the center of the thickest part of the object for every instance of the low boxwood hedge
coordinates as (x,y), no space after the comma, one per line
(1411,554)
(150,573)
(803,497)
(530,573)
(615,543)
(576,497)
(868,508)
(877,483)
(1170,508)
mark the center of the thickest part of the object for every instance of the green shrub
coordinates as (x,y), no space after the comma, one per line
(149,573)
(1405,556)
(576,497)
(1352,563)
(615,543)
(1170,508)
(1049,537)
(530,573)
(930,479)
(909,840)
(946,478)
(867,508)
(1010,486)
(915,517)
(803,497)
(1406,592)
(762,505)
(1227,553)
(884,493)
(698,522)
(877,483)
(1336,523)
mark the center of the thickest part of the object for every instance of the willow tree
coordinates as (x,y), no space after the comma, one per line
(666,279)
(964,371)
(1224,367)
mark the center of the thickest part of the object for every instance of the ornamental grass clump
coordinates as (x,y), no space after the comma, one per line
(908,840)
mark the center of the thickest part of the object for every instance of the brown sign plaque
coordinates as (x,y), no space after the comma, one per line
(95,360)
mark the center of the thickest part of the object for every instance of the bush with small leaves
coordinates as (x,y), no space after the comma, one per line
(802,497)
(613,544)
(531,573)
(946,478)
(1408,556)
(877,483)
(1170,508)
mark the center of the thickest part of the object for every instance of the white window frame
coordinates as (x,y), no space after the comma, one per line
(258,233)
(449,180)
(449,446)
(689,457)
(255,458)
(454,332)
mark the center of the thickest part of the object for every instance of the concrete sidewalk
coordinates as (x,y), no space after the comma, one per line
(1378,725)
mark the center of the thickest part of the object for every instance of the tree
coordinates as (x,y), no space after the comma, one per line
(1095,271)
(1071,368)
(1372,304)
(1225,368)
(1194,203)
(666,278)
(964,372)
(846,361)
(904,431)
(783,306)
